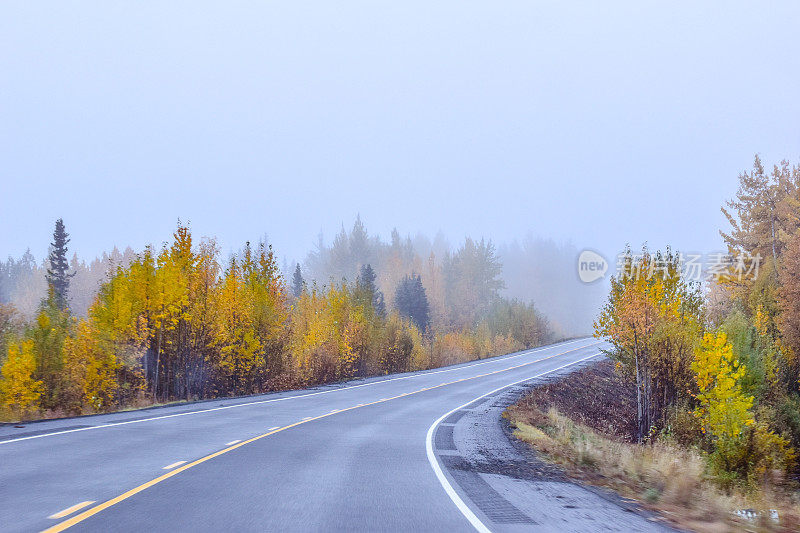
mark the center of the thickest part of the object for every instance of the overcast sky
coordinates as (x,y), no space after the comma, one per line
(596,122)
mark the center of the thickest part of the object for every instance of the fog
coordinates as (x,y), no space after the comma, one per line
(544,127)
(533,270)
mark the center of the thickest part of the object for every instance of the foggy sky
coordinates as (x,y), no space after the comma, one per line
(599,123)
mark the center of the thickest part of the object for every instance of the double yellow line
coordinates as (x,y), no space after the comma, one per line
(125,495)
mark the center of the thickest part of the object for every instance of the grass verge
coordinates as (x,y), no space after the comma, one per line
(662,476)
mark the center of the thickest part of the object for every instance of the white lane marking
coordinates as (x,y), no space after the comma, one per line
(333,411)
(259,402)
(307,418)
(70,510)
(274,428)
(231,443)
(448,488)
(173,465)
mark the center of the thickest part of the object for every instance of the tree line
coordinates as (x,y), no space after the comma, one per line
(716,365)
(533,270)
(178,323)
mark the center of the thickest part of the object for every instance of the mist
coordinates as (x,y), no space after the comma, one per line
(588,123)
(534,270)
(440,122)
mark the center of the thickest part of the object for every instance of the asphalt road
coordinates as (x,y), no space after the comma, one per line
(354,456)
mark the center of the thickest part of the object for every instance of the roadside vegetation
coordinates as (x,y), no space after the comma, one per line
(586,424)
(711,370)
(178,323)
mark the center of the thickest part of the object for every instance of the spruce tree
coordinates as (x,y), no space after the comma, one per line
(366,283)
(412,302)
(297,282)
(379,305)
(58,274)
(367,277)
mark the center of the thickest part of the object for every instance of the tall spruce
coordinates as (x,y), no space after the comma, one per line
(366,283)
(58,274)
(411,301)
(297,282)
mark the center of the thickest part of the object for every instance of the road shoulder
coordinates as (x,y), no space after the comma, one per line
(509,488)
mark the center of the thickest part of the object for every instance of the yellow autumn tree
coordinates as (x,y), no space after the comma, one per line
(744,450)
(404,349)
(238,354)
(19,391)
(330,335)
(724,408)
(91,371)
(174,266)
(307,337)
(345,323)
(266,297)
(653,319)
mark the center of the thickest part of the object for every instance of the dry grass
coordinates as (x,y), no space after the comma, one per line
(664,477)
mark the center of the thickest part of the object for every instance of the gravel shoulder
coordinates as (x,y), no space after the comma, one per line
(511,489)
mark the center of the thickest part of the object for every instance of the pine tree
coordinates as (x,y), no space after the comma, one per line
(297,282)
(58,274)
(412,302)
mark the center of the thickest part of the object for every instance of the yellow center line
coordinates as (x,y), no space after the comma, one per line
(125,495)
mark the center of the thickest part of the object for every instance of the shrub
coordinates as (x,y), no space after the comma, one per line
(758,457)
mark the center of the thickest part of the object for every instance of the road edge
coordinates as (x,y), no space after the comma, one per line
(451,492)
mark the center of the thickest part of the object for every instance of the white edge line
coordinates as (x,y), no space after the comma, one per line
(69,510)
(259,402)
(448,488)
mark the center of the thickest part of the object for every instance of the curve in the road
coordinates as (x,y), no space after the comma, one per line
(463,508)
(448,487)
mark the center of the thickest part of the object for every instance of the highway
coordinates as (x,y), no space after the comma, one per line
(360,455)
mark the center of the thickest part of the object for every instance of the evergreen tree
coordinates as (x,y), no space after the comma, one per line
(366,283)
(297,282)
(412,302)
(58,274)
(359,244)
(379,304)
(48,332)
(367,277)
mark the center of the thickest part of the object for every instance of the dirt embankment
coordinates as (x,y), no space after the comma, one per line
(595,396)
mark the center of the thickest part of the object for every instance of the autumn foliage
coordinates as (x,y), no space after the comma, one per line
(728,357)
(653,318)
(20,391)
(176,323)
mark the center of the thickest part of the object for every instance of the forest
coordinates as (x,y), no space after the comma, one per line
(716,364)
(180,322)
